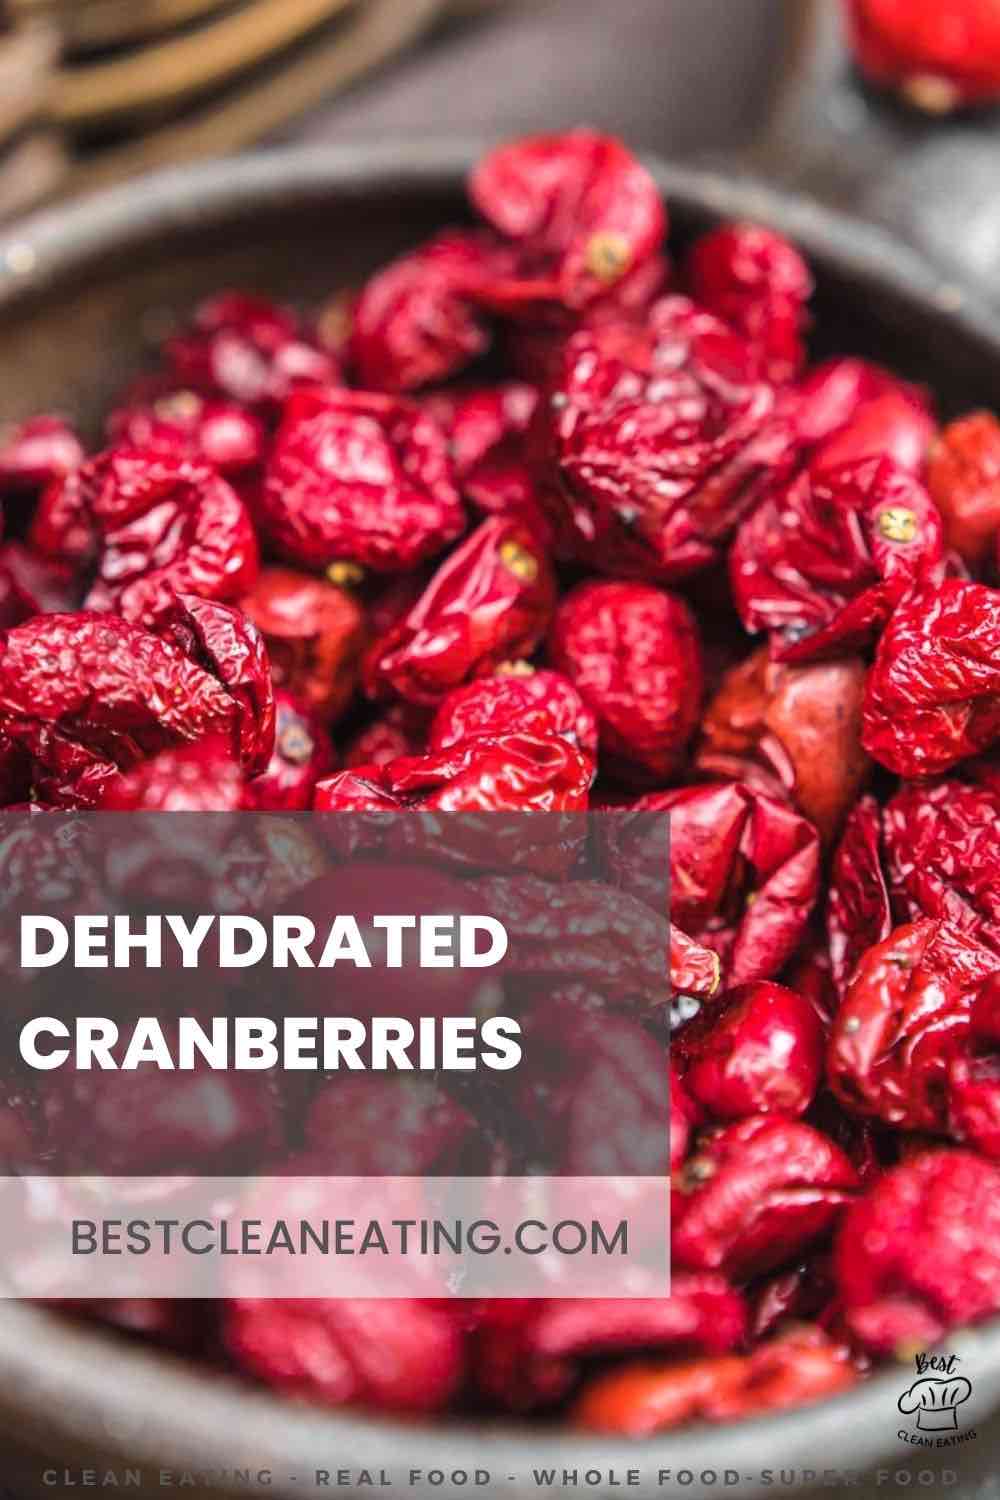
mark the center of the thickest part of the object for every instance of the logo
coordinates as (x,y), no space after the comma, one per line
(932,1402)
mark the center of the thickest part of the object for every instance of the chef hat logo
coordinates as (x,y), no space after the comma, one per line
(936,1402)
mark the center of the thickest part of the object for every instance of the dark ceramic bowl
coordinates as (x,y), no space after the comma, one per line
(82,292)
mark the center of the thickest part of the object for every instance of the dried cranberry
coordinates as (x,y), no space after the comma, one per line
(385,1127)
(358,477)
(582,209)
(394,1355)
(755,1194)
(36,452)
(918,1255)
(963,476)
(821,565)
(933,695)
(400,730)
(314,632)
(744,874)
(528,1355)
(756,1050)
(791,730)
(859,912)
(759,284)
(303,754)
(941,856)
(32,584)
(195,778)
(490,601)
(940,58)
(905,1014)
(632,653)
(220,433)
(518,700)
(164,525)
(662,438)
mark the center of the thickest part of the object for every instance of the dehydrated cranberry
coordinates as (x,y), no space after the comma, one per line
(314,632)
(822,565)
(859,912)
(221,433)
(490,601)
(583,210)
(662,438)
(400,730)
(756,1050)
(920,1253)
(791,730)
(386,1127)
(939,58)
(303,753)
(759,284)
(519,699)
(394,1355)
(362,478)
(632,653)
(963,476)
(755,1194)
(196,778)
(36,452)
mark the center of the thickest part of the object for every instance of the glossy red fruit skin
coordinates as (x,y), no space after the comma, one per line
(246,349)
(684,1114)
(416,321)
(518,700)
(484,773)
(355,476)
(32,584)
(859,911)
(632,652)
(963,476)
(792,731)
(904,1016)
(395,1355)
(164,526)
(942,858)
(314,632)
(223,434)
(660,439)
(801,1366)
(61,527)
(584,211)
(939,58)
(758,283)
(821,565)
(933,695)
(195,778)
(744,872)
(488,437)
(400,730)
(528,1355)
(303,754)
(755,1194)
(843,399)
(918,1254)
(36,452)
(489,602)
(755,1050)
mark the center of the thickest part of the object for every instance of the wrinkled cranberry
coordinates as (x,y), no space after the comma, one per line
(221,433)
(490,601)
(518,700)
(920,1253)
(164,526)
(303,754)
(904,1015)
(632,653)
(400,731)
(314,633)
(583,210)
(386,1127)
(31,584)
(759,284)
(859,913)
(245,349)
(755,1194)
(36,452)
(196,778)
(662,438)
(822,565)
(359,477)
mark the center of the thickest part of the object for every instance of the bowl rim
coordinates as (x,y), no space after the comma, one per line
(77,1384)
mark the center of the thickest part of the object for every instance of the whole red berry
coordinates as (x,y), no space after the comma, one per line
(963,476)
(756,1050)
(314,633)
(632,653)
(940,57)
(518,699)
